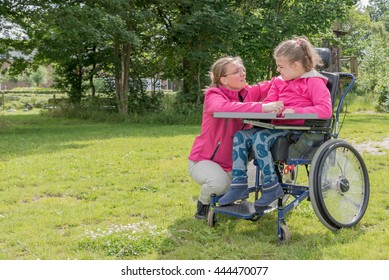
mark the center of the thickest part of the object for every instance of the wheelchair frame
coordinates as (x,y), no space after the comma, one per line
(338,188)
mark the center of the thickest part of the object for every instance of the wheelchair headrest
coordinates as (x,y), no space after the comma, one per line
(325,55)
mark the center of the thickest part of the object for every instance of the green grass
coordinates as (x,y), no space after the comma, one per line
(74,189)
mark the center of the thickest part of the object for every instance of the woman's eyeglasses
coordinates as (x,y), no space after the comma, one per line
(237,72)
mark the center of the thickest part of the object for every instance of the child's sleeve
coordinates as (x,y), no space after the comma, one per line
(320,97)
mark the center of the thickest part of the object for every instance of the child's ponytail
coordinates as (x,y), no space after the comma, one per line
(299,49)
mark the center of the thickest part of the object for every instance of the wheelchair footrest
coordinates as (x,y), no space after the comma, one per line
(243,210)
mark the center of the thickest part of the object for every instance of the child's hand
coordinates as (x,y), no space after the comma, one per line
(288,111)
(273,107)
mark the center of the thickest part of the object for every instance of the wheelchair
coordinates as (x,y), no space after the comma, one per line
(338,182)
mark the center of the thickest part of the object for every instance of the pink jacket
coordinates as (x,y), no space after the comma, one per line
(216,137)
(307,94)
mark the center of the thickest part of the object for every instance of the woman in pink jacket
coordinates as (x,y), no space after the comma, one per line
(210,159)
(302,90)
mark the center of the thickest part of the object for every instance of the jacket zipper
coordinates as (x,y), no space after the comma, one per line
(214,152)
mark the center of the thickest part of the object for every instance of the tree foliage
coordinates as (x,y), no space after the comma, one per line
(198,32)
(367,38)
(133,39)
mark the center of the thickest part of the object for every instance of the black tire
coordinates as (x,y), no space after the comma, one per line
(338,185)
(285,234)
(211,217)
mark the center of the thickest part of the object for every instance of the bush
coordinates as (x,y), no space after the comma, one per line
(163,117)
(32,90)
(383,100)
(140,101)
(185,103)
(144,102)
(360,98)
(83,112)
(20,100)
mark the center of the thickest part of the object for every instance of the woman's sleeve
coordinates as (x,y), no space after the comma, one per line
(259,91)
(217,102)
(273,93)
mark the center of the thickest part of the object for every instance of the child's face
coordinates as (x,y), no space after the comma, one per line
(235,77)
(288,70)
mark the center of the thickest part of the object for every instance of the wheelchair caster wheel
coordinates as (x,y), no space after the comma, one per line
(211,217)
(285,236)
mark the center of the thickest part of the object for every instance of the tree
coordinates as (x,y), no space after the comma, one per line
(367,38)
(274,21)
(192,34)
(195,33)
(173,39)
(83,37)
(378,10)
(39,76)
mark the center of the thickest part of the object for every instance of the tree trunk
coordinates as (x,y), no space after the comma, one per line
(93,73)
(122,64)
(199,92)
(92,86)
(76,87)
(186,80)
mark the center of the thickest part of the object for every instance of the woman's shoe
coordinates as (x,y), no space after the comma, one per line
(202,211)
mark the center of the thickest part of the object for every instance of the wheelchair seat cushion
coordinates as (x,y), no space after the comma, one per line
(280,149)
(306,146)
(295,146)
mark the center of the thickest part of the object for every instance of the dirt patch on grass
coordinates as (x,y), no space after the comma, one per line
(373,147)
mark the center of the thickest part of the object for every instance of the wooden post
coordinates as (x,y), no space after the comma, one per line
(352,60)
(2,98)
(354,65)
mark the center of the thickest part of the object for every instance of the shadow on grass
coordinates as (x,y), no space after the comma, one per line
(237,239)
(34,134)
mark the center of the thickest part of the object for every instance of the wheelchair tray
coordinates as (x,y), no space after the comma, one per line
(255,119)
(263,116)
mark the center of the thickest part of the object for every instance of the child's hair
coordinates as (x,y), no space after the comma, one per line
(299,49)
(218,69)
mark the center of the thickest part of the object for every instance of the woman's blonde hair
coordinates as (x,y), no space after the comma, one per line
(218,69)
(299,49)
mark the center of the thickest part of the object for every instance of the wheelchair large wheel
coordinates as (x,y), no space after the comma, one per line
(338,185)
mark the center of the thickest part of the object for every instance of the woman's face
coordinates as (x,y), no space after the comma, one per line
(235,77)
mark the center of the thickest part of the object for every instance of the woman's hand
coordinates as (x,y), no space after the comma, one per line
(273,107)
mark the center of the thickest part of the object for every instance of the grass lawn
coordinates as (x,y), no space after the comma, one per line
(74,189)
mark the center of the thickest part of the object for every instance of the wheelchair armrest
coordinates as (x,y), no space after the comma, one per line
(318,122)
(319,125)
(324,129)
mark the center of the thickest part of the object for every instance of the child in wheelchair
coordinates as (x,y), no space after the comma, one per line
(302,90)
